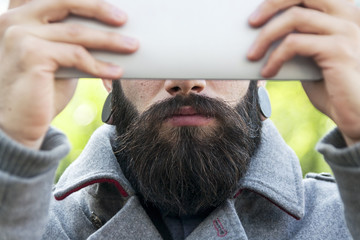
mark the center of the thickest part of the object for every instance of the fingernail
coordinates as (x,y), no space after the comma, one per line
(266,72)
(114,70)
(254,16)
(130,42)
(251,53)
(118,14)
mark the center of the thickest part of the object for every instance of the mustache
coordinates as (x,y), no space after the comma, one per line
(202,105)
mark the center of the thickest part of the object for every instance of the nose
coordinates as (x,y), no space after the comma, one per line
(184,87)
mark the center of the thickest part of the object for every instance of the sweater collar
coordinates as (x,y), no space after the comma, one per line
(274,171)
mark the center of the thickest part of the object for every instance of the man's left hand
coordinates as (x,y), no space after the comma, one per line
(327,31)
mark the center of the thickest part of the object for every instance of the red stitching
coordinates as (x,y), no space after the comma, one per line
(221,232)
(101,180)
(238,193)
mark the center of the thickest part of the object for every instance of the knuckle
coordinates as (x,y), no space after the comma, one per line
(273,3)
(343,48)
(351,27)
(291,40)
(13,34)
(29,46)
(65,2)
(349,31)
(265,32)
(80,54)
(347,41)
(278,55)
(5,19)
(97,4)
(97,68)
(28,51)
(112,35)
(296,12)
(84,61)
(111,39)
(73,30)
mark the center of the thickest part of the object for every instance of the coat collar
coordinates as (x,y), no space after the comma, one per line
(132,223)
(274,171)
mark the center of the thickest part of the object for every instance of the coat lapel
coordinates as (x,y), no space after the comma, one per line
(223,223)
(131,223)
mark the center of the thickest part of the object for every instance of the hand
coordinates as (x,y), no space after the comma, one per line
(329,32)
(34,44)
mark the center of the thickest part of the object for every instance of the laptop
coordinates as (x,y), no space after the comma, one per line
(190,39)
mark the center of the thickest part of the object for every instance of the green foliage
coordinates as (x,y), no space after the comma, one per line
(81,117)
(298,122)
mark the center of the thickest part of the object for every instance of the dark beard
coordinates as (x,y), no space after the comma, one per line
(186,170)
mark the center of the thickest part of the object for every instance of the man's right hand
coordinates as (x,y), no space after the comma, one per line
(34,44)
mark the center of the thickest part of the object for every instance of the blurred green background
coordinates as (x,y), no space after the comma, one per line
(298,121)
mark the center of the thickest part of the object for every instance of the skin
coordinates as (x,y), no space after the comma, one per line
(331,38)
(25,28)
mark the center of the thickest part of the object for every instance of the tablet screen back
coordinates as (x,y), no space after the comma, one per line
(191,39)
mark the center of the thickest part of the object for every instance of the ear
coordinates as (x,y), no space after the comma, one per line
(107,84)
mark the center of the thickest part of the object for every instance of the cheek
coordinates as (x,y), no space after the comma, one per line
(232,91)
(141,92)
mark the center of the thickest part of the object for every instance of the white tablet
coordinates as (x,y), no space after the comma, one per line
(190,39)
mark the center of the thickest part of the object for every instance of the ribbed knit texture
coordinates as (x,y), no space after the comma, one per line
(345,164)
(26,179)
(25,162)
(334,148)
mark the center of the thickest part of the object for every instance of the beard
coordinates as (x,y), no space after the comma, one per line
(186,170)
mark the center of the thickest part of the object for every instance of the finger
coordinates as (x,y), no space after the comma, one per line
(56,10)
(74,56)
(81,35)
(295,19)
(296,44)
(36,54)
(269,8)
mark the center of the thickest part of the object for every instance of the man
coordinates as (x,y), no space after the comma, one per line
(186,159)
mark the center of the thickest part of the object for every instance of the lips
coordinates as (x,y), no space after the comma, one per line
(188,116)
(187,110)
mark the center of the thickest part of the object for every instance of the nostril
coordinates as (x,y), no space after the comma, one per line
(175,89)
(184,87)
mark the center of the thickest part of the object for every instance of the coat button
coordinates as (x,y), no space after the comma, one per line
(95,220)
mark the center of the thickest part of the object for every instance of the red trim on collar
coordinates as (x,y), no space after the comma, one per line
(283,209)
(297,218)
(100,180)
(238,193)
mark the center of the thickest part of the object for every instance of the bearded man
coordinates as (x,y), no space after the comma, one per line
(180,159)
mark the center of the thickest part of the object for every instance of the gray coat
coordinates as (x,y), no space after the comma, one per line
(93,199)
